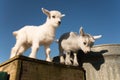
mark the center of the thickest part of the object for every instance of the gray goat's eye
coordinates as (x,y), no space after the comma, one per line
(84,43)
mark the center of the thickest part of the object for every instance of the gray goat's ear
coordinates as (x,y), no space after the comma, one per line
(81,31)
(45,11)
(97,37)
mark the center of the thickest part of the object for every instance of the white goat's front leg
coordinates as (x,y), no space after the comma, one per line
(75,62)
(67,59)
(34,50)
(47,51)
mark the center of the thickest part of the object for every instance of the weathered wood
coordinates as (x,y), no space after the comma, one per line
(24,68)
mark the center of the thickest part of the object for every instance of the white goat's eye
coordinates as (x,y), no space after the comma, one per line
(53,16)
(84,43)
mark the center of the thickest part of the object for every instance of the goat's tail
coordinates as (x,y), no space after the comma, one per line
(15,33)
(56,40)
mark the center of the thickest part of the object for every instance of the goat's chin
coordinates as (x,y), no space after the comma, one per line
(56,25)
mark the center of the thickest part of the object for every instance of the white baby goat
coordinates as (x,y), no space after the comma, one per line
(36,36)
(71,41)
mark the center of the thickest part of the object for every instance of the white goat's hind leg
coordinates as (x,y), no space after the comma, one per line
(34,50)
(47,51)
(75,62)
(13,52)
(22,49)
(15,49)
(67,59)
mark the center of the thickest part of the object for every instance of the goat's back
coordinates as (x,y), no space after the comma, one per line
(69,41)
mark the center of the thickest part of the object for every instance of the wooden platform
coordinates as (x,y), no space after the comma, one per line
(24,68)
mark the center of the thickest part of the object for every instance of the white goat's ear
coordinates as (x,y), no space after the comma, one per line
(45,11)
(97,37)
(63,15)
(81,31)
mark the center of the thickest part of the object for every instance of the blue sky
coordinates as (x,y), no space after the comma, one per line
(96,17)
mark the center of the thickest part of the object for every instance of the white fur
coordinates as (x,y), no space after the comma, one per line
(35,36)
(73,42)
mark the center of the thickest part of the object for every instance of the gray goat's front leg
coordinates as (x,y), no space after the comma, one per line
(62,61)
(67,59)
(75,62)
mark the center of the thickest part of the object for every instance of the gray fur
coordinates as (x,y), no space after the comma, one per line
(72,41)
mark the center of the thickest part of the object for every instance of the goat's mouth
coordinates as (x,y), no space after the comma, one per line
(86,52)
(57,24)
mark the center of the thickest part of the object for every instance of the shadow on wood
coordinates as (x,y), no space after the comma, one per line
(94,58)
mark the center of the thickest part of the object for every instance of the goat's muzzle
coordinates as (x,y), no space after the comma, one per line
(59,22)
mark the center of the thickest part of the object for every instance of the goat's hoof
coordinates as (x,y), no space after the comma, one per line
(75,64)
(49,60)
(62,62)
(68,63)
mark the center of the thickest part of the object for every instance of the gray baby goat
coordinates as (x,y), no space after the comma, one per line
(72,41)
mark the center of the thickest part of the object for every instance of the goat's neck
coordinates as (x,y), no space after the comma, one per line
(79,42)
(51,29)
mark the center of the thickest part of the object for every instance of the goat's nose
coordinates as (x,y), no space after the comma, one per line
(88,51)
(59,22)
